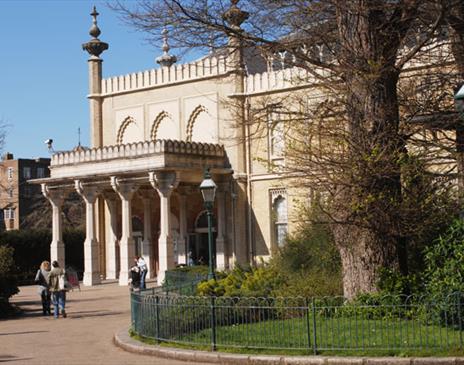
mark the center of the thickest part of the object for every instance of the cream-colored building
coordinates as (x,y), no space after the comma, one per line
(153,134)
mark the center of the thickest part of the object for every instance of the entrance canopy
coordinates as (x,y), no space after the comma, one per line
(121,171)
(187,159)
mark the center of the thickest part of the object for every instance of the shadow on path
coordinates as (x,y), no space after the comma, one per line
(97,313)
(20,333)
(8,358)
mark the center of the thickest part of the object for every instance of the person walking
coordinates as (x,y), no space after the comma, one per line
(142,265)
(41,280)
(56,280)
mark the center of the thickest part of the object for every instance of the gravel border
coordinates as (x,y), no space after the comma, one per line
(124,341)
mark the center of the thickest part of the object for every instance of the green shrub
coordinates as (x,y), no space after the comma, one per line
(31,247)
(444,261)
(259,281)
(8,283)
(307,266)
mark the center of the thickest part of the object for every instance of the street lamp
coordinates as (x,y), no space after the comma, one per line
(459,100)
(459,105)
(208,190)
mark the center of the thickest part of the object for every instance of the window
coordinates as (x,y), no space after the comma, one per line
(279,215)
(27,172)
(40,172)
(10,192)
(276,139)
(10,173)
(9,213)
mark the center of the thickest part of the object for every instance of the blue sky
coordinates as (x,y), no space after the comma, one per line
(43,69)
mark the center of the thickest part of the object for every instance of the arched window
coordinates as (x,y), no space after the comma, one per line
(280,217)
(276,137)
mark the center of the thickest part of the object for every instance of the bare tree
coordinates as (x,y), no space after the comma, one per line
(353,144)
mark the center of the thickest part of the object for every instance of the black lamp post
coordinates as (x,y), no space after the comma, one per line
(459,104)
(459,100)
(208,190)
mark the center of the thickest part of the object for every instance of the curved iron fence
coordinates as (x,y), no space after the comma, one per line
(317,324)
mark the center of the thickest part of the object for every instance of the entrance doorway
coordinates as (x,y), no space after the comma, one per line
(198,241)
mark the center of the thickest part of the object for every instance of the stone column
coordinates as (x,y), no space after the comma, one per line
(112,246)
(126,192)
(95,47)
(221,251)
(164,182)
(91,254)
(147,243)
(182,244)
(57,250)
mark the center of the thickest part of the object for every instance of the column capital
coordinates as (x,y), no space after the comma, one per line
(55,196)
(88,192)
(163,181)
(125,189)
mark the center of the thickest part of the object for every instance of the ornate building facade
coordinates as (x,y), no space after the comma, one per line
(153,133)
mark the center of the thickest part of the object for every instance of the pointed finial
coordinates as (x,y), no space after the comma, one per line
(94,30)
(166,60)
(95,47)
(235,16)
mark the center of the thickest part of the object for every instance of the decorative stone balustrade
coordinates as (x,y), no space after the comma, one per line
(207,67)
(138,149)
(282,79)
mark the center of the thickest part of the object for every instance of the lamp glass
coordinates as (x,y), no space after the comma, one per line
(208,190)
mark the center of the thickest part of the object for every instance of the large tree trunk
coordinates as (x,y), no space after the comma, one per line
(363,255)
(365,205)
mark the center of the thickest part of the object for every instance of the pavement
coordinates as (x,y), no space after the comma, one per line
(95,314)
(96,332)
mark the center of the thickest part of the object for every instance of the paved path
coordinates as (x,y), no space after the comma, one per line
(85,337)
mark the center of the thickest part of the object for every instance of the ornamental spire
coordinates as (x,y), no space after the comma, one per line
(94,30)
(95,47)
(166,60)
(234,15)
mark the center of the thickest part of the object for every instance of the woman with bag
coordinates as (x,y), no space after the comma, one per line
(41,280)
(57,284)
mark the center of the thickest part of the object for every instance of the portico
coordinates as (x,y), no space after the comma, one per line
(151,179)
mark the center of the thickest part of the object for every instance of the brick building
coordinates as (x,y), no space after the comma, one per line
(16,195)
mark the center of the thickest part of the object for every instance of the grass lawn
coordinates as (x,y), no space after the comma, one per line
(334,336)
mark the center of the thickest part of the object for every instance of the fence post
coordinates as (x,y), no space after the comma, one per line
(460,320)
(308,327)
(313,305)
(132,310)
(157,318)
(213,323)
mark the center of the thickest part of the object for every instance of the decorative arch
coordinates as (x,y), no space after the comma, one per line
(122,129)
(279,216)
(201,222)
(191,121)
(157,122)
